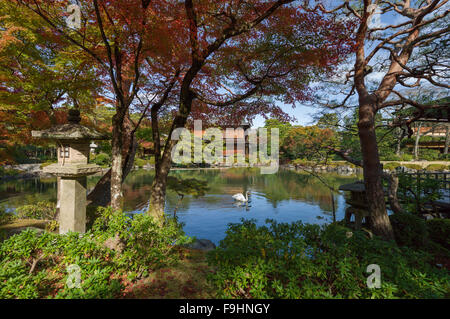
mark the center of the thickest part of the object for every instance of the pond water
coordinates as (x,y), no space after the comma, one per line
(285,197)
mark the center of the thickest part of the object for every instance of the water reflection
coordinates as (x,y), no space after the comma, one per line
(286,196)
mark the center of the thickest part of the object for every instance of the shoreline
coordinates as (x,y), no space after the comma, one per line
(29,171)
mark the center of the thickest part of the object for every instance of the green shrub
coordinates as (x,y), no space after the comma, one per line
(439,230)
(390,157)
(410,230)
(340,163)
(52,254)
(41,210)
(147,245)
(429,154)
(8,172)
(438,167)
(139,162)
(6,217)
(309,261)
(105,271)
(47,163)
(102,159)
(406,157)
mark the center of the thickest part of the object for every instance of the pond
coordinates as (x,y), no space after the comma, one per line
(285,197)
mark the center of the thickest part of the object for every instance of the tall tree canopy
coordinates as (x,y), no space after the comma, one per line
(194,59)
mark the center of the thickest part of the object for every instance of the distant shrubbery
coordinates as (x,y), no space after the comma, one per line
(139,162)
(8,172)
(101,159)
(6,217)
(410,230)
(439,230)
(117,250)
(309,261)
(429,154)
(438,167)
(47,163)
(41,210)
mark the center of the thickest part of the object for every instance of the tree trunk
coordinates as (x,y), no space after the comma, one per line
(101,194)
(164,163)
(401,135)
(392,179)
(447,139)
(372,171)
(159,186)
(416,144)
(116,166)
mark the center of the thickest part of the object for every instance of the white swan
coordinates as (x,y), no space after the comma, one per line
(240,197)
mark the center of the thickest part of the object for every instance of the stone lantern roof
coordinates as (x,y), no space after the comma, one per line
(357,187)
(70,131)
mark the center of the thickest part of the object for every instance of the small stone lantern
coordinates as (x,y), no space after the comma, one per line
(93,147)
(357,203)
(72,169)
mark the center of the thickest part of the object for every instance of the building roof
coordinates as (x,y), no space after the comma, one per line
(353,187)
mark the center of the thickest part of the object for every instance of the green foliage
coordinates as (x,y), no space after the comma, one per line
(415,190)
(52,254)
(407,157)
(390,157)
(146,245)
(410,230)
(429,154)
(105,271)
(101,159)
(8,172)
(47,163)
(438,167)
(309,261)
(41,210)
(439,230)
(139,162)
(309,142)
(6,217)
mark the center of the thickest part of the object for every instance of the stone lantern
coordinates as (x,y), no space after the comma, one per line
(357,203)
(93,147)
(72,169)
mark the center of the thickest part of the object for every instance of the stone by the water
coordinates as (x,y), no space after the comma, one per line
(202,244)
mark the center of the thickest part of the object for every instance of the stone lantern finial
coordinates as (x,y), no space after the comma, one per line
(73,116)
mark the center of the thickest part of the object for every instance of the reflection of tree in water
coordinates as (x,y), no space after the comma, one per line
(25,191)
(284,185)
